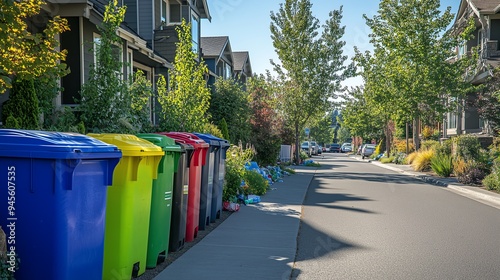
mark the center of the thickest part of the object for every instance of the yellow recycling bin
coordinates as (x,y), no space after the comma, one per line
(129,206)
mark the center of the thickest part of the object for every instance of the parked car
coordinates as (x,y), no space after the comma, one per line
(346,147)
(334,148)
(314,148)
(367,150)
(306,147)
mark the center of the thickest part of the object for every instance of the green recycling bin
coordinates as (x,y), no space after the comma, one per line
(161,199)
(129,206)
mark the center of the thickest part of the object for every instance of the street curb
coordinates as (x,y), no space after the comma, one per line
(474,193)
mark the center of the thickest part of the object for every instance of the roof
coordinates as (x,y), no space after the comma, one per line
(213,46)
(487,6)
(240,58)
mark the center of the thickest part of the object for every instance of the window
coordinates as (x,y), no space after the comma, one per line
(195,23)
(452,121)
(163,15)
(228,72)
(174,12)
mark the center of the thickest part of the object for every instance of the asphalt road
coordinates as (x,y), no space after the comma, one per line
(361,221)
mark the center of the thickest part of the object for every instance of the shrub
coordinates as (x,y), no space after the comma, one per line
(459,166)
(467,147)
(400,145)
(387,160)
(422,161)
(473,174)
(255,183)
(400,158)
(411,157)
(444,148)
(429,145)
(442,165)
(427,132)
(237,156)
(492,181)
(22,105)
(303,155)
(232,183)
(380,148)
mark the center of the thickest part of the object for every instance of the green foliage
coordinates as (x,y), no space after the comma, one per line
(442,165)
(380,148)
(22,105)
(229,103)
(224,130)
(387,160)
(211,128)
(321,130)
(265,137)
(11,122)
(140,92)
(255,183)
(429,145)
(445,147)
(400,158)
(467,147)
(311,66)
(185,104)
(312,164)
(24,54)
(65,120)
(236,158)
(105,102)
(46,88)
(303,155)
(492,181)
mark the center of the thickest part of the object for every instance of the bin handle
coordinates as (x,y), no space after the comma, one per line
(135,167)
(66,169)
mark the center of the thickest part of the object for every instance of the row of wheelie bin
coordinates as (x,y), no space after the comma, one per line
(104,206)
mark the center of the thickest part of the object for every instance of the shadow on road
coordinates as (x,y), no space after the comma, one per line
(373,177)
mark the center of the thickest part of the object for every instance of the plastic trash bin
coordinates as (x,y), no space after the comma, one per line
(53,202)
(161,199)
(195,165)
(180,199)
(129,206)
(208,174)
(220,173)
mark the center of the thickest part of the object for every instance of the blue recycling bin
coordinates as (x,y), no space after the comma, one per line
(219,173)
(53,206)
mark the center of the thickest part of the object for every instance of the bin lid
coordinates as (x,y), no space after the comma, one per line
(166,143)
(130,145)
(55,145)
(209,138)
(187,138)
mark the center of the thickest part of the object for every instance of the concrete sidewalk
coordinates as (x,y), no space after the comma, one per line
(476,193)
(258,242)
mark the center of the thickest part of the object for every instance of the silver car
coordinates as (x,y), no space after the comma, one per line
(367,150)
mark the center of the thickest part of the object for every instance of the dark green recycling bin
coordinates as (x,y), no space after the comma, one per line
(161,199)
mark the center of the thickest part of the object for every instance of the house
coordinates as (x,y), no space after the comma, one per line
(242,66)
(218,56)
(147,35)
(485,37)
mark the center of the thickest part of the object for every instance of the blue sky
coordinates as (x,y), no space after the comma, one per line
(247,25)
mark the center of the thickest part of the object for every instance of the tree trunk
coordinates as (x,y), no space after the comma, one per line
(297,146)
(388,139)
(407,138)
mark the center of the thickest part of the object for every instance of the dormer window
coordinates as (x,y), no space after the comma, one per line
(171,12)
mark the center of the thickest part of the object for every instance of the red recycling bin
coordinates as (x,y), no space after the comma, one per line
(197,161)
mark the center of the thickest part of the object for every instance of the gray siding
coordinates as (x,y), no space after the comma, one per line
(165,42)
(145,11)
(131,14)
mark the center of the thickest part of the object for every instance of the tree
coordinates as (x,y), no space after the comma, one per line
(488,101)
(312,65)
(104,98)
(229,102)
(264,135)
(344,135)
(26,54)
(321,130)
(411,42)
(185,104)
(140,92)
(22,106)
